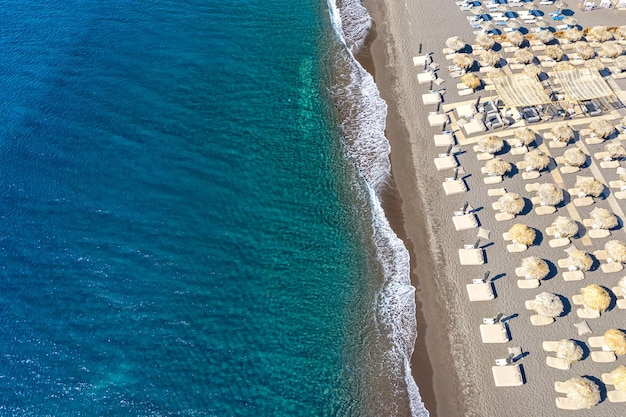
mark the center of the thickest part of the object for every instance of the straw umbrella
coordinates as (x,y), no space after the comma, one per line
(585,50)
(580,260)
(595,297)
(490,144)
(511,203)
(543,24)
(532,69)
(570,21)
(463,60)
(563,66)
(600,34)
(523,56)
(515,37)
(584,392)
(525,136)
(455,43)
(522,234)
(615,149)
(547,304)
(471,81)
(485,41)
(536,160)
(620,62)
(618,376)
(611,49)
(616,250)
(554,52)
(497,167)
(589,186)
(620,32)
(534,268)
(574,157)
(615,340)
(569,350)
(573,34)
(488,26)
(513,23)
(490,59)
(545,36)
(477,10)
(549,194)
(562,132)
(602,128)
(565,227)
(603,219)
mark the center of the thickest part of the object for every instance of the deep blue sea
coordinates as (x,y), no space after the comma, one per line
(182,231)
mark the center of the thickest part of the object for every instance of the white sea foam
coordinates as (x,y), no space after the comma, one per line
(363,124)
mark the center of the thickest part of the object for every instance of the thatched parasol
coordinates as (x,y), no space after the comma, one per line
(574,157)
(496,72)
(490,59)
(525,135)
(547,304)
(570,21)
(584,50)
(497,166)
(515,37)
(573,34)
(620,62)
(455,43)
(595,297)
(490,144)
(485,41)
(471,81)
(616,250)
(532,69)
(600,34)
(543,24)
(549,194)
(545,36)
(523,56)
(463,60)
(565,227)
(554,52)
(562,132)
(580,260)
(488,25)
(569,350)
(514,23)
(534,268)
(563,65)
(620,32)
(522,234)
(477,10)
(615,149)
(611,49)
(622,284)
(584,392)
(603,219)
(615,340)
(589,186)
(536,160)
(511,203)
(618,376)
(602,128)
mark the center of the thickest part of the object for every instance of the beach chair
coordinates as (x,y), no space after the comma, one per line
(565,403)
(496,192)
(453,186)
(527,284)
(465,222)
(507,376)
(445,162)
(471,256)
(587,313)
(550,346)
(621,302)
(482,291)
(493,333)
(603,356)
(573,275)
(558,363)
(595,341)
(538,320)
(616,396)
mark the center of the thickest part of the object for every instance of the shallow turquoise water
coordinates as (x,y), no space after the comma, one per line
(178,233)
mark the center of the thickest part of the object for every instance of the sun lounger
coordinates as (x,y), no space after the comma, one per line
(603,357)
(577,300)
(557,243)
(532,187)
(466,110)
(480,291)
(607,378)
(426,77)
(436,119)
(493,333)
(444,139)
(532,175)
(620,185)
(504,216)
(598,233)
(601,255)
(620,195)
(558,363)
(544,210)
(422,60)
(565,403)
(431,98)
(611,267)
(465,222)
(496,192)
(516,248)
(495,179)
(582,328)
(583,201)
(621,304)
(573,275)
(507,376)
(609,164)
(471,256)
(560,386)
(537,320)
(526,284)
(445,162)
(550,346)
(529,304)
(553,143)
(587,313)
(563,263)
(616,396)
(474,126)
(484,156)
(595,341)
(566,169)
(454,187)
(465,92)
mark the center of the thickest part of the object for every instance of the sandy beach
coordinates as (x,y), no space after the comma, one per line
(451,365)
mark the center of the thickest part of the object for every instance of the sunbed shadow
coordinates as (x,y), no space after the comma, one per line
(493,289)
(497,277)
(520,357)
(507,318)
(567,306)
(585,349)
(485,246)
(600,385)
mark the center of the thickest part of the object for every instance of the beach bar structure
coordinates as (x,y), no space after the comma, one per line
(583,85)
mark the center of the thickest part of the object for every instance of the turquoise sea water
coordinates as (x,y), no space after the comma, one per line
(180,230)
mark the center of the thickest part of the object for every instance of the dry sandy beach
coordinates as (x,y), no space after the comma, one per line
(451,365)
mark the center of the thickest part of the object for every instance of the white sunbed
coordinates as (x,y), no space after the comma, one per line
(480,291)
(560,242)
(466,110)
(431,98)
(611,267)
(576,275)
(504,217)
(516,248)
(616,396)
(549,345)
(493,333)
(437,119)
(471,256)
(565,403)
(558,363)
(445,162)
(544,210)
(426,77)
(507,376)
(444,139)
(421,60)
(474,126)
(465,222)
(587,313)
(601,356)
(595,341)
(538,320)
(454,187)
(527,284)
(583,201)
(560,387)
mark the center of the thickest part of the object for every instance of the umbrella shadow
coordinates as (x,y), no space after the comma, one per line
(595,265)
(600,385)
(514,171)
(538,238)
(552,270)
(584,348)
(505,149)
(523,30)
(567,12)
(528,207)
(496,47)
(567,306)
(613,302)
